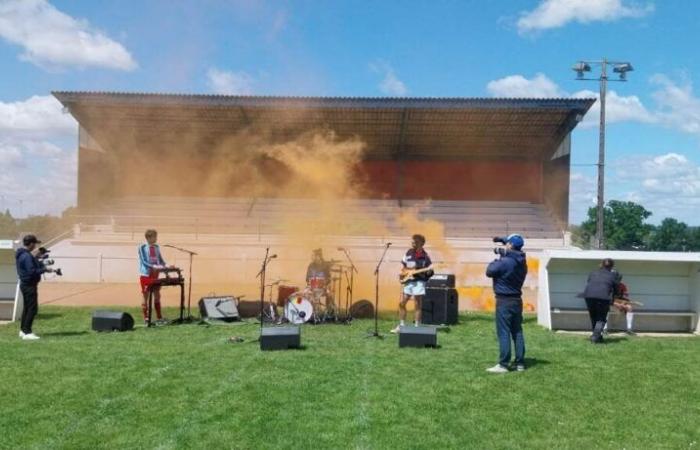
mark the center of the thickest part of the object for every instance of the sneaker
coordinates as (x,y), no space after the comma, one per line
(21,333)
(630,333)
(396,330)
(162,321)
(30,337)
(520,368)
(497,369)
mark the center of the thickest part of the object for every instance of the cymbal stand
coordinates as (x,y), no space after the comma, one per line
(350,285)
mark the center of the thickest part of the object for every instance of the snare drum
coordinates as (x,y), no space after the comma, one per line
(298,309)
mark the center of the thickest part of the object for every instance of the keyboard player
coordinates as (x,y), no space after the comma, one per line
(151,262)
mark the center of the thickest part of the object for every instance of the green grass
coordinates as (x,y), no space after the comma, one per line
(187,387)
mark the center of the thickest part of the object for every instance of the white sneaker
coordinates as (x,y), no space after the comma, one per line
(21,333)
(30,337)
(497,369)
(396,330)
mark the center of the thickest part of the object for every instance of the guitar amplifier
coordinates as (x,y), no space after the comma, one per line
(442,280)
(440,306)
(219,308)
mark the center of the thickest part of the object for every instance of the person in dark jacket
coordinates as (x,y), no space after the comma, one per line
(508,273)
(600,287)
(29,271)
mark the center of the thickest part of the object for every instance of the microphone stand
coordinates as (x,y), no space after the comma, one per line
(376,295)
(348,291)
(261,275)
(189,281)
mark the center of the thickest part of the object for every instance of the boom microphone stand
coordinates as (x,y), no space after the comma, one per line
(376,294)
(261,275)
(189,281)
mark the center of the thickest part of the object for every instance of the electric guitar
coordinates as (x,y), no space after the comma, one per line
(407,275)
(625,301)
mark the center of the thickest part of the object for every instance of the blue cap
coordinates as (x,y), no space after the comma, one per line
(516,241)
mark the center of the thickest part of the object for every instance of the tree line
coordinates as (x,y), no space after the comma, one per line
(625,228)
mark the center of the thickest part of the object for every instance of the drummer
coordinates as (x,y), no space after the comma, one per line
(318,276)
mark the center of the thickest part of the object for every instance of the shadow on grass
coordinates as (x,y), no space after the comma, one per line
(48,316)
(533,362)
(64,333)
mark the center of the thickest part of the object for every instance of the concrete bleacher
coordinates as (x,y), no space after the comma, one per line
(231,233)
(350,217)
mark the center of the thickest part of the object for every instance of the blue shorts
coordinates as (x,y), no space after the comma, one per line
(414,287)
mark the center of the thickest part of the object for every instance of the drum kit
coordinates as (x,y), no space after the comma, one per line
(315,303)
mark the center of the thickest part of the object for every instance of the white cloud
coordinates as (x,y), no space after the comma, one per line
(518,86)
(678,106)
(557,13)
(668,185)
(390,84)
(51,38)
(617,109)
(42,179)
(583,194)
(36,116)
(229,83)
(40,175)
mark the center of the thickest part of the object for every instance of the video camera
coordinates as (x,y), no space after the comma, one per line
(500,251)
(43,257)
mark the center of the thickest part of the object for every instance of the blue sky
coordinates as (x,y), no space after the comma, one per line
(328,48)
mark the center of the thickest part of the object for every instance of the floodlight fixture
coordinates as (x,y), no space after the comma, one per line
(622,69)
(581,67)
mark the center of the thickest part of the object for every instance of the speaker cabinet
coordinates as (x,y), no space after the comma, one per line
(440,306)
(280,338)
(442,280)
(417,336)
(112,321)
(219,308)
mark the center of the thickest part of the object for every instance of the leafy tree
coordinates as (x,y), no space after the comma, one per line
(624,227)
(670,236)
(694,239)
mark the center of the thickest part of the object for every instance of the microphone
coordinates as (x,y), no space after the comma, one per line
(341,249)
(388,244)
(273,256)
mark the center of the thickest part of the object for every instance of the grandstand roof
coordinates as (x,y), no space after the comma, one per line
(391,127)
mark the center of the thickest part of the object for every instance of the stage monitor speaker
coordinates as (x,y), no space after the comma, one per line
(442,280)
(411,336)
(112,321)
(362,309)
(219,308)
(280,338)
(440,306)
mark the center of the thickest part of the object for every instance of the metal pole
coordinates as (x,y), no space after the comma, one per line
(600,216)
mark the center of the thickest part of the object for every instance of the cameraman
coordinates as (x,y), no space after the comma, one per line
(29,270)
(508,273)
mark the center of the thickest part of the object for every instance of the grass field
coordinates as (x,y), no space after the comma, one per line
(187,387)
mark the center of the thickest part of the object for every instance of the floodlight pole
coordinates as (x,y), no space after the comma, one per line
(600,207)
(622,68)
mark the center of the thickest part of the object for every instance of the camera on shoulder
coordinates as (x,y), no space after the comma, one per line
(500,251)
(46,262)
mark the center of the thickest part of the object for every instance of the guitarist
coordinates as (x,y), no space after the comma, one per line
(416,258)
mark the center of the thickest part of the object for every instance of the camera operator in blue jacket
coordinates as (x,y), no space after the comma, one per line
(29,271)
(508,272)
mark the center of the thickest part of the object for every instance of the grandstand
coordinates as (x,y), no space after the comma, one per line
(458,170)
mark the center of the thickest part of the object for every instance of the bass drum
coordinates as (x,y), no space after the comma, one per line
(298,309)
